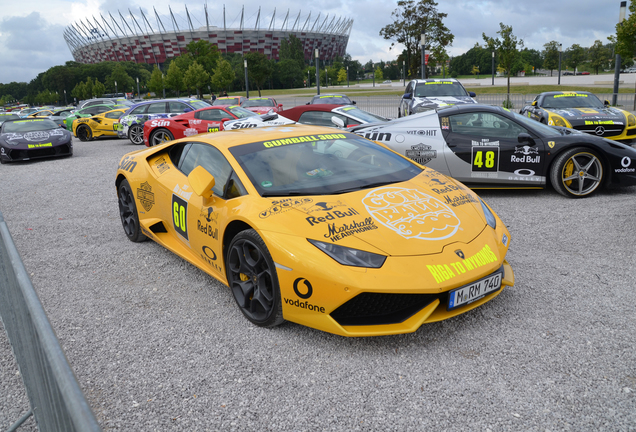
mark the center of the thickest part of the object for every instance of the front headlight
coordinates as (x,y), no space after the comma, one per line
(350,257)
(557,121)
(490,218)
(631,120)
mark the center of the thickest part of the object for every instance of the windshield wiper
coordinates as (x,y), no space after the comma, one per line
(366,186)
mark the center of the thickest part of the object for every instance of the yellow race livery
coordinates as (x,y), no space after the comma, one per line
(104,124)
(319,227)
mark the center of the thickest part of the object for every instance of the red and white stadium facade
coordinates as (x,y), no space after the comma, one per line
(96,40)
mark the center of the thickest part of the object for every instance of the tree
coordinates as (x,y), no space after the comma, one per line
(507,51)
(575,55)
(475,70)
(155,84)
(174,78)
(599,56)
(292,49)
(379,75)
(550,56)
(411,18)
(625,38)
(259,68)
(119,75)
(342,75)
(289,74)
(98,88)
(204,53)
(223,76)
(196,77)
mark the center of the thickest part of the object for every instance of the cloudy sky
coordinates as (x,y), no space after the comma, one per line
(31,33)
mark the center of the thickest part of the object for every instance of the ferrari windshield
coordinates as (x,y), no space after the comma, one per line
(359,114)
(260,102)
(320,164)
(439,88)
(241,112)
(571,100)
(21,126)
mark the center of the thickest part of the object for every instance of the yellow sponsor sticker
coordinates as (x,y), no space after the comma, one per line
(40,145)
(444,272)
(301,139)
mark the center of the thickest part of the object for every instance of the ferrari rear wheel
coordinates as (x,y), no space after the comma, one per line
(251,275)
(84,133)
(136,134)
(128,213)
(577,173)
(160,136)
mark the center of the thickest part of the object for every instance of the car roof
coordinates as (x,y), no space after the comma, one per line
(186,100)
(419,80)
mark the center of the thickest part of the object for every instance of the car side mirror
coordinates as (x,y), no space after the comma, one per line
(224,119)
(606,103)
(524,138)
(202,182)
(472,94)
(62,126)
(280,106)
(407,96)
(338,122)
(534,103)
(185,110)
(353,102)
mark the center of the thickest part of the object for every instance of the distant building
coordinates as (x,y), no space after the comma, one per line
(133,38)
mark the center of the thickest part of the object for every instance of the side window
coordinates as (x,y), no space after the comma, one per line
(212,160)
(100,109)
(409,88)
(177,107)
(316,118)
(157,108)
(113,115)
(485,125)
(140,109)
(212,115)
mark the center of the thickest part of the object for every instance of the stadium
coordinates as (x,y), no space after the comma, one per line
(130,37)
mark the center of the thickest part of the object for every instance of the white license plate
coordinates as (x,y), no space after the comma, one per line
(474,291)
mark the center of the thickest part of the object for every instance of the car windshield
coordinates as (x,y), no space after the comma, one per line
(258,103)
(331,99)
(28,126)
(197,104)
(359,114)
(571,100)
(320,164)
(227,101)
(241,112)
(543,129)
(440,88)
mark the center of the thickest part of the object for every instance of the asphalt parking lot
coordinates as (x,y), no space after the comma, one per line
(158,345)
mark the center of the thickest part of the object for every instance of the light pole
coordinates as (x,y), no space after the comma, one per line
(317,73)
(308,79)
(423,42)
(65,103)
(247,86)
(403,74)
(164,86)
(116,89)
(347,76)
(560,49)
(138,94)
(617,64)
(493,68)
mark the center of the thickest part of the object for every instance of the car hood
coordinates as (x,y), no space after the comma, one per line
(417,217)
(441,101)
(590,114)
(35,138)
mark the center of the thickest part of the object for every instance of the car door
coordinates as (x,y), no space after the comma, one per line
(107,122)
(209,120)
(486,147)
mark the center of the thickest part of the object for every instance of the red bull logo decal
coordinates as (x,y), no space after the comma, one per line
(411,213)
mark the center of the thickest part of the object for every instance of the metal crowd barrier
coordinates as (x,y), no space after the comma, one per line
(57,402)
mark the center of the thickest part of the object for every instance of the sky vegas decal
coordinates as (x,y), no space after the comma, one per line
(411,213)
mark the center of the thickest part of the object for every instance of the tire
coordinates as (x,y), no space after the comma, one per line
(160,136)
(577,173)
(252,277)
(136,134)
(84,133)
(128,213)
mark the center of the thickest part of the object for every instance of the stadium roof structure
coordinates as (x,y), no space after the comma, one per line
(132,37)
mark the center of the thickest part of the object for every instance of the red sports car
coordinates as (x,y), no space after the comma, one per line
(322,115)
(209,119)
(262,105)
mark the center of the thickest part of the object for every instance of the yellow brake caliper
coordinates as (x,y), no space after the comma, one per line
(567,172)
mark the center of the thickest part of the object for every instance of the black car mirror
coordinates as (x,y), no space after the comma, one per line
(472,94)
(524,138)
(606,103)
(407,96)
(353,102)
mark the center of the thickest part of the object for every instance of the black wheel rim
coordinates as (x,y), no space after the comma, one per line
(127,211)
(136,134)
(251,280)
(82,133)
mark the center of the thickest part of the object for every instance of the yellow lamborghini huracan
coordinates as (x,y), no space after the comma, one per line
(317,226)
(104,124)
